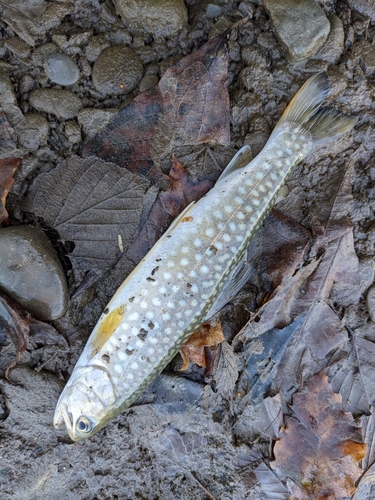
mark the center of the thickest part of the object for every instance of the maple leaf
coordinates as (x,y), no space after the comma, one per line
(320,448)
(190,105)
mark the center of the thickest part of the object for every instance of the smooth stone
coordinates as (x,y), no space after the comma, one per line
(370,302)
(18,46)
(92,119)
(118,70)
(73,132)
(62,103)
(160,18)
(26,84)
(213,10)
(35,133)
(31,273)
(364,51)
(61,69)
(301,27)
(148,82)
(333,47)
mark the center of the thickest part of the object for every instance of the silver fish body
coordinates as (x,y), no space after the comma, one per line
(174,288)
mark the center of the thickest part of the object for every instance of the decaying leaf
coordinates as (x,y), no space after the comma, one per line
(225,372)
(7,168)
(357,386)
(366,487)
(90,203)
(264,354)
(307,294)
(190,105)
(368,434)
(14,321)
(18,324)
(272,487)
(207,335)
(320,448)
(269,417)
(183,189)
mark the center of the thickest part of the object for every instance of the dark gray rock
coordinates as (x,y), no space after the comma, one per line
(35,133)
(73,132)
(301,27)
(31,273)
(62,103)
(61,69)
(161,18)
(333,47)
(118,70)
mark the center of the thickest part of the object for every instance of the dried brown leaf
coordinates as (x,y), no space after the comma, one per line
(207,335)
(320,448)
(190,105)
(7,168)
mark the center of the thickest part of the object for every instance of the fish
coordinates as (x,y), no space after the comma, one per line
(192,271)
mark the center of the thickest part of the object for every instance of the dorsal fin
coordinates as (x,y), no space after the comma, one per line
(239,160)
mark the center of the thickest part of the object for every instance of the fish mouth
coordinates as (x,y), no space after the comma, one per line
(63,416)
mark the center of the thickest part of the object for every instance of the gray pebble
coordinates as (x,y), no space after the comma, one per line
(148,82)
(73,132)
(117,71)
(370,302)
(333,47)
(160,18)
(31,273)
(213,10)
(18,47)
(301,27)
(35,133)
(61,69)
(62,103)
(96,46)
(27,83)
(92,119)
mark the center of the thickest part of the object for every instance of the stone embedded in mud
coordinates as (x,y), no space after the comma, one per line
(301,27)
(92,119)
(31,273)
(364,51)
(118,70)
(160,18)
(73,132)
(62,103)
(61,69)
(35,132)
(333,47)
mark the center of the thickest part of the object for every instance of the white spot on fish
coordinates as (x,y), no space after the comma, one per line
(239,237)
(168,330)
(224,257)
(279,163)
(239,200)
(240,215)
(194,288)
(118,368)
(143,304)
(228,209)
(204,269)
(185,249)
(219,245)
(209,231)
(180,275)
(249,209)
(259,175)
(218,267)
(232,226)
(150,350)
(167,276)
(178,315)
(162,289)
(175,288)
(170,304)
(220,226)
(233,249)
(156,301)
(184,261)
(134,366)
(124,326)
(181,324)
(182,302)
(273,176)
(153,340)
(262,189)
(130,376)
(256,202)
(198,257)
(242,190)
(194,302)
(188,312)
(218,214)
(122,356)
(170,263)
(197,242)
(166,316)
(226,237)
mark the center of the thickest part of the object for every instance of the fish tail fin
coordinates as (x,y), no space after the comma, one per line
(321,123)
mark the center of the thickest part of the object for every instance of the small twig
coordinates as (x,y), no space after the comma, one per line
(201,485)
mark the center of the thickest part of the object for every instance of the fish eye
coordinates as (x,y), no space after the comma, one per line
(83,425)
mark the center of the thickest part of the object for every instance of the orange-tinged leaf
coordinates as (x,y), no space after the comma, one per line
(207,335)
(320,447)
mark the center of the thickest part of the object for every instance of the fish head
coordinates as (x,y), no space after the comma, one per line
(87,402)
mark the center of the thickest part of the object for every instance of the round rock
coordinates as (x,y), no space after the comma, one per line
(61,69)
(31,273)
(35,133)
(161,18)
(73,132)
(62,103)
(117,71)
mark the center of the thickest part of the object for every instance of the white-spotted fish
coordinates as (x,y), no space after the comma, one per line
(191,272)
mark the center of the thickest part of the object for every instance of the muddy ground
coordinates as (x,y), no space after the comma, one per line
(135,456)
